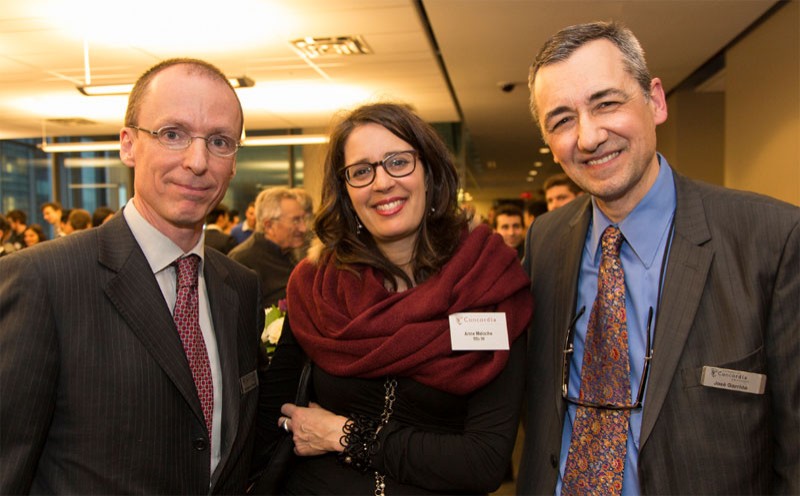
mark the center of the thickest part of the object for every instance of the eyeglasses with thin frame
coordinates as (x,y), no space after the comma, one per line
(176,138)
(295,221)
(398,164)
(566,362)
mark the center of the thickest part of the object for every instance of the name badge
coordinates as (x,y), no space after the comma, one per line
(248,382)
(734,380)
(478,331)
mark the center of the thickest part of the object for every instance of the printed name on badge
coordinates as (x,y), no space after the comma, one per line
(478,331)
(734,380)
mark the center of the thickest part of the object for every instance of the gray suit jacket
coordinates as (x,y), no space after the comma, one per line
(730,299)
(97,395)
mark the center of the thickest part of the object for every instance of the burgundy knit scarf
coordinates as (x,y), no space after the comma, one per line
(353,326)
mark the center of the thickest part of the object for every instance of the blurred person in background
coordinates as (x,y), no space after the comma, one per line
(79,220)
(217,221)
(52,212)
(19,222)
(508,223)
(34,234)
(101,215)
(559,190)
(244,229)
(280,229)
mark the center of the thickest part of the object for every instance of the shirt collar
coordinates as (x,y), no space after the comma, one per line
(158,249)
(653,214)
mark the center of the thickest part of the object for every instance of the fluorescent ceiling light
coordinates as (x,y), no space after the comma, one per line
(286,139)
(81,146)
(105,89)
(92,162)
(109,146)
(124,89)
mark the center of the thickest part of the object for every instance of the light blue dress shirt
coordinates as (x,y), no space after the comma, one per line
(646,230)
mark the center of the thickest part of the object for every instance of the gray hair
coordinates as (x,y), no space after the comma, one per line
(563,44)
(268,204)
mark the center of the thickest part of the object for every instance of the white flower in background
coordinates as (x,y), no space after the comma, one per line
(273,324)
(272,332)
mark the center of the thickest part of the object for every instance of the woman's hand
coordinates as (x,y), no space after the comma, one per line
(315,431)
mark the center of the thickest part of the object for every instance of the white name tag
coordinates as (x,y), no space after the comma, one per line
(735,380)
(478,331)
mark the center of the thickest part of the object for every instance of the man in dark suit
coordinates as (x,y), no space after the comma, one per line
(98,395)
(280,229)
(711,286)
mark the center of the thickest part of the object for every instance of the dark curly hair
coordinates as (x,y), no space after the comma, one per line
(441,228)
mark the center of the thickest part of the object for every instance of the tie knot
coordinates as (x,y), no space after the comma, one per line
(187,270)
(611,241)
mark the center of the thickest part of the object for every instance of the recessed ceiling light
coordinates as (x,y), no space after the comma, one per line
(538,163)
(544,150)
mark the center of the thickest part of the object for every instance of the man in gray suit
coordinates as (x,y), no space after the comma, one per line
(711,288)
(97,393)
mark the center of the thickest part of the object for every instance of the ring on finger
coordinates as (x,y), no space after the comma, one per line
(285,424)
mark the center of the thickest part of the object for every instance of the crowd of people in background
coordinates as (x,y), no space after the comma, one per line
(16,233)
(225,231)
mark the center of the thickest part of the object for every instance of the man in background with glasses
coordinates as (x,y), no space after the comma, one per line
(280,229)
(663,354)
(128,353)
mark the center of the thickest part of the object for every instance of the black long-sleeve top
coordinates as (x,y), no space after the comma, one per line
(434,442)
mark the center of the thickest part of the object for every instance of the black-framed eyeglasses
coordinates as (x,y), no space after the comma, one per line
(176,138)
(567,361)
(398,164)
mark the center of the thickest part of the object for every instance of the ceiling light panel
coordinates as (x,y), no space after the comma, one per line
(332,46)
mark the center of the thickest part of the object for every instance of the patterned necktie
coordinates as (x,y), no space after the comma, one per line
(596,458)
(187,320)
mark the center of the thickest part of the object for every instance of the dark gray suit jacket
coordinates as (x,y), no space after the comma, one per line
(272,265)
(96,392)
(730,299)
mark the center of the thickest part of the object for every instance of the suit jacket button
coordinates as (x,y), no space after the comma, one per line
(554,461)
(200,444)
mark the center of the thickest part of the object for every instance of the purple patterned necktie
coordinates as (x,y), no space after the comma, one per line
(596,458)
(187,320)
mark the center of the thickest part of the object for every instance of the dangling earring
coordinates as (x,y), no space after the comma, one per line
(358,226)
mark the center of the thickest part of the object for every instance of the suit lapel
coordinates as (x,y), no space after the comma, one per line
(687,270)
(570,251)
(224,302)
(135,293)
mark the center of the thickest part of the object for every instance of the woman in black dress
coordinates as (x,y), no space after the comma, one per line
(395,410)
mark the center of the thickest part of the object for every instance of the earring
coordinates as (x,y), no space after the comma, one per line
(433,210)
(358,226)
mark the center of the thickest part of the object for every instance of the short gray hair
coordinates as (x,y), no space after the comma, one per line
(268,204)
(563,44)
